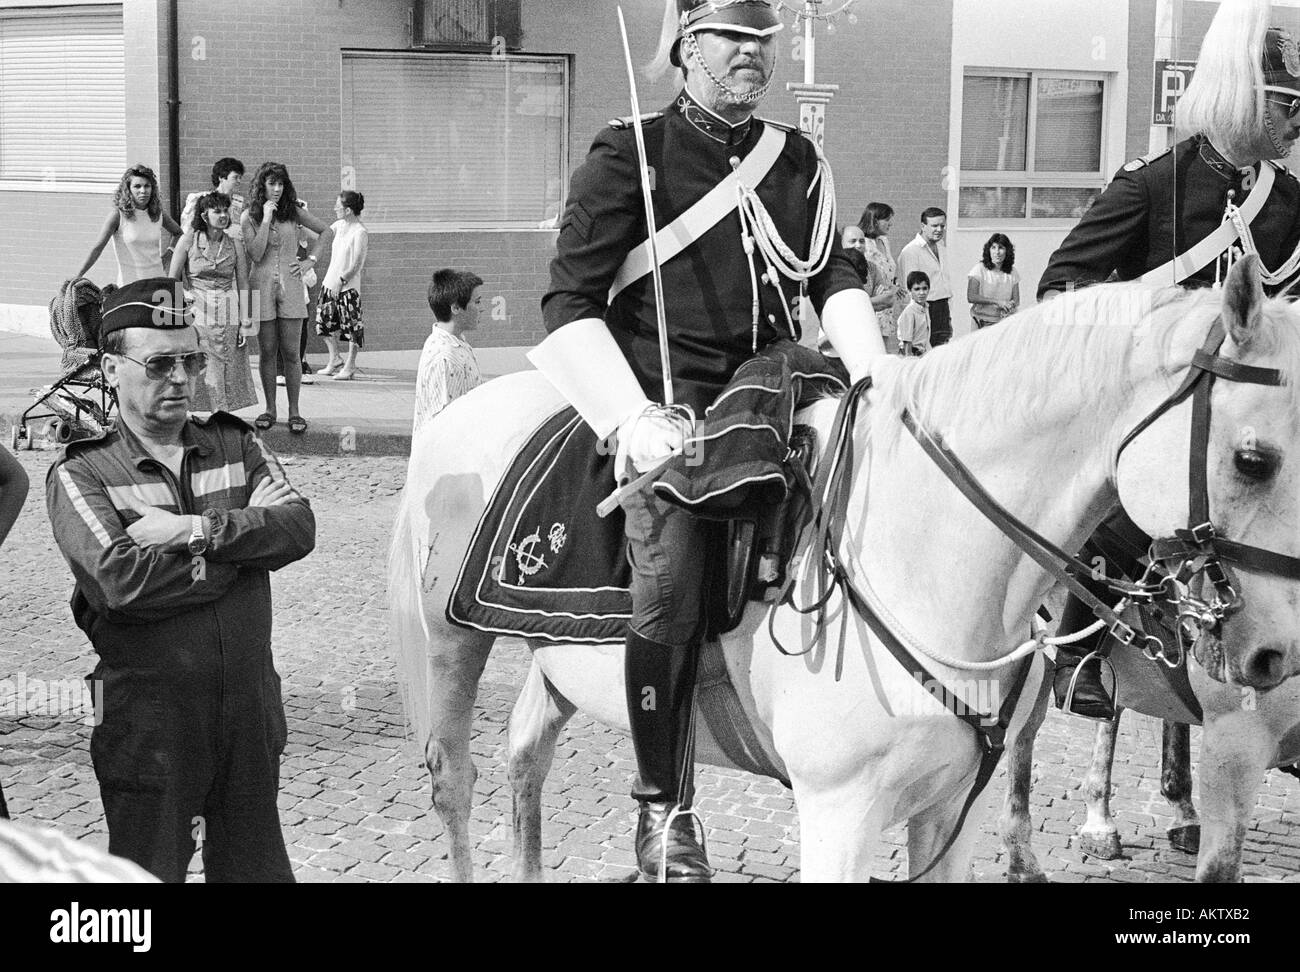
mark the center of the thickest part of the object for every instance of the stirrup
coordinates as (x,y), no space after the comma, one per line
(673,814)
(1067,704)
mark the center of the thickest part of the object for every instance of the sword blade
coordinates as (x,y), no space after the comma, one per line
(660,318)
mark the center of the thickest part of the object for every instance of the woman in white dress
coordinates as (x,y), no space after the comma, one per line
(135,226)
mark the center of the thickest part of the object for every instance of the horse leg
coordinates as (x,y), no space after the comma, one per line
(1098,836)
(839,831)
(1176,786)
(538,715)
(1016,827)
(928,831)
(456,664)
(1235,752)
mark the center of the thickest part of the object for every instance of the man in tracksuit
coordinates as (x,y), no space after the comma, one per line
(171,525)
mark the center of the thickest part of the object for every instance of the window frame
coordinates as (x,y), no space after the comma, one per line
(1030,178)
(459,226)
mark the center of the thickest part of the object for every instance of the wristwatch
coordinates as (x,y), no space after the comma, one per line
(198,539)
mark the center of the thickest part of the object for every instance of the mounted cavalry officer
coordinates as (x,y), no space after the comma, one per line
(745,211)
(1181,217)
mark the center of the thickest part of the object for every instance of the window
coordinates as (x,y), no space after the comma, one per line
(456,141)
(1031,145)
(62,96)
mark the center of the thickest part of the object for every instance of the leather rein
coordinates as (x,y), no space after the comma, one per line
(1195,551)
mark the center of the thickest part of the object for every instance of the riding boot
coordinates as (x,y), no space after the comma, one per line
(1089,698)
(661,709)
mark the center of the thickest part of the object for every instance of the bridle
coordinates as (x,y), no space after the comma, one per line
(1178,563)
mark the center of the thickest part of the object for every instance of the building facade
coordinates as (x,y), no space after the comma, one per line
(461,121)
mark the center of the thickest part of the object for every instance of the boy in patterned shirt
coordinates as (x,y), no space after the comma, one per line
(448,368)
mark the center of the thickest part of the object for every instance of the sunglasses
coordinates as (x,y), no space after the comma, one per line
(160,367)
(1291,104)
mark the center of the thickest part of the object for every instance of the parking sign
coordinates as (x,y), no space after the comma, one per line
(1171,79)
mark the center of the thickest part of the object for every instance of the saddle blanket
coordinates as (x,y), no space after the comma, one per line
(542,564)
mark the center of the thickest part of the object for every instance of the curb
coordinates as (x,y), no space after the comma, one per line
(318,440)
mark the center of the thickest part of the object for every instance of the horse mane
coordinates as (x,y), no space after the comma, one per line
(1072,347)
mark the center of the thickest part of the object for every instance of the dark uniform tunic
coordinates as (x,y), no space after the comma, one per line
(708,303)
(188,750)
(1157,208)
(707,289)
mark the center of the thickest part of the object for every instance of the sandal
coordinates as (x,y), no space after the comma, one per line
(297,425)
(344,375)
(330,368)
(264,421)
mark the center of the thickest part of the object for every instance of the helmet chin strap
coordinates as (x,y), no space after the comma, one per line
(1279,145)
(729,94)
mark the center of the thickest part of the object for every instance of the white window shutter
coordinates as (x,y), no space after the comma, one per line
(62,96)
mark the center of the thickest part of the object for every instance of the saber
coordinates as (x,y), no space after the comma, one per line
(664,365)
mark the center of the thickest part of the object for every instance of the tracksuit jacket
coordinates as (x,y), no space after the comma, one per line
(187,752)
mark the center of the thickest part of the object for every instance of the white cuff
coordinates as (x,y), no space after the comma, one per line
(850,324)
(588,368)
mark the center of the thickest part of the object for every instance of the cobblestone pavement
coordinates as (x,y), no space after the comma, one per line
(355,798)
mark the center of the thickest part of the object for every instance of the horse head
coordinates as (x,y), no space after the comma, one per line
(1214,473)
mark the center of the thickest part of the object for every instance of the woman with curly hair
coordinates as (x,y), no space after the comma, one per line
(993,285)
(137,239)
(215,271)
(270,230)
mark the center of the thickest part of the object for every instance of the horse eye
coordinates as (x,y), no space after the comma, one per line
(1254,464)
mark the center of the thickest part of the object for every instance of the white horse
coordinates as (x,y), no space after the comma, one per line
(1035,408)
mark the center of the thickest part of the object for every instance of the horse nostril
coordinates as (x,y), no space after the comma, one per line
(1265,667)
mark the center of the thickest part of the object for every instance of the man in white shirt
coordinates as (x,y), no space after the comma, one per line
(926,253)
(448,368)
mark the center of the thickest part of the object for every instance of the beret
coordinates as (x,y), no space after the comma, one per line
(154,302)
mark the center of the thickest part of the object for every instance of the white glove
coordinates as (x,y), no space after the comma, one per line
(649,436)
(309,278)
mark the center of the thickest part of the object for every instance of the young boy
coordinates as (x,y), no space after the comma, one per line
(448,368)
(914,321)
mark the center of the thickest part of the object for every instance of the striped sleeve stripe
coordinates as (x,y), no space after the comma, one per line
(227,477)
(81,506)
(139,496)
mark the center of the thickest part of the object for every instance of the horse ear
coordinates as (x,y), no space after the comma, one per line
(1243,299)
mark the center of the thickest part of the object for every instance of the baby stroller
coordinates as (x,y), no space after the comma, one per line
(80,403)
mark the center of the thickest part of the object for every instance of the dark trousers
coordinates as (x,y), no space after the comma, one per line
(940,322)
(188,758)
(666,548)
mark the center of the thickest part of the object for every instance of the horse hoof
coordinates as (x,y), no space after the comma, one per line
(1104,846)
(1019,877)
(1186,839)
